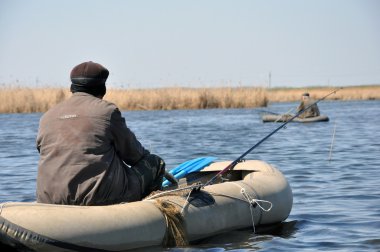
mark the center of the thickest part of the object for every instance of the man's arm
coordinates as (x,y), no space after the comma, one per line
(125,141)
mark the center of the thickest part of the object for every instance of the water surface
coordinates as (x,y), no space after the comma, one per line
(336,202)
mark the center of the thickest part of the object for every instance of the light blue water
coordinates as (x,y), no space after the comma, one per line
(336,203)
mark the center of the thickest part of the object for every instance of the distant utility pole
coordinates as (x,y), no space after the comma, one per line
(269,79)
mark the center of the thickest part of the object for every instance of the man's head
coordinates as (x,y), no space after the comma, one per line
(89,77)
(305,96)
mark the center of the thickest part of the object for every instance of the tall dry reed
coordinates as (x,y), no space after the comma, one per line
(347,93)
(27,100)
(188,98)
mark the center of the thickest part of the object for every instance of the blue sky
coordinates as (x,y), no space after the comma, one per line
(192,43)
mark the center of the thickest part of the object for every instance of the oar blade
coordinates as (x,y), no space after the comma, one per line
(189,166)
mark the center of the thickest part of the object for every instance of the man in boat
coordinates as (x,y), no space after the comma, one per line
(88,155)
(306,101)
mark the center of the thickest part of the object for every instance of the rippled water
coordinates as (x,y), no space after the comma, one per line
(336,203)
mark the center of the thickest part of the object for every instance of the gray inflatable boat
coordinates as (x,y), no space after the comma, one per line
(253,194)
(287,117)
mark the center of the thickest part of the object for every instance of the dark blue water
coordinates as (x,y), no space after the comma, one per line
(336,203)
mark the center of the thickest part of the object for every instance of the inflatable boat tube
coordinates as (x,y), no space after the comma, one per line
(285,118)
(253,194)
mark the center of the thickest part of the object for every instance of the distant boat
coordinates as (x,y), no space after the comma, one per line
(287,117)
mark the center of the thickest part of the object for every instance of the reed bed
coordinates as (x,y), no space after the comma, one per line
(347,93)
(188,98)
(29,100)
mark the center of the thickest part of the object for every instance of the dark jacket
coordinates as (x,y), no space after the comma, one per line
(83,144)
(310,112)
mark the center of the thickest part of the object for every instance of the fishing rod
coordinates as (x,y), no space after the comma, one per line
(240,158)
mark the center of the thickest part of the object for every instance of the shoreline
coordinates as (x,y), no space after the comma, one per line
(31,100)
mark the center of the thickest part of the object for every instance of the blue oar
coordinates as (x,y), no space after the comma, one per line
(206,161)
(189,166)
(194,164)
(185,165)
(195,167)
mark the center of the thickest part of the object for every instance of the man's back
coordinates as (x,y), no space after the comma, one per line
(311,112)
(77,155)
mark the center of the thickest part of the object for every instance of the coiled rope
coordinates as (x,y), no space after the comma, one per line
(175,235)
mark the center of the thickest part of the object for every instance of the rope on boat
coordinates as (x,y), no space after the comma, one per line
(186,203)
(174,218)
(156,195)
(175,235)
(253,202)
(176,192)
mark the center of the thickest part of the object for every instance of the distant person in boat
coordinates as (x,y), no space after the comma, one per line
(313,111)
(88,155)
